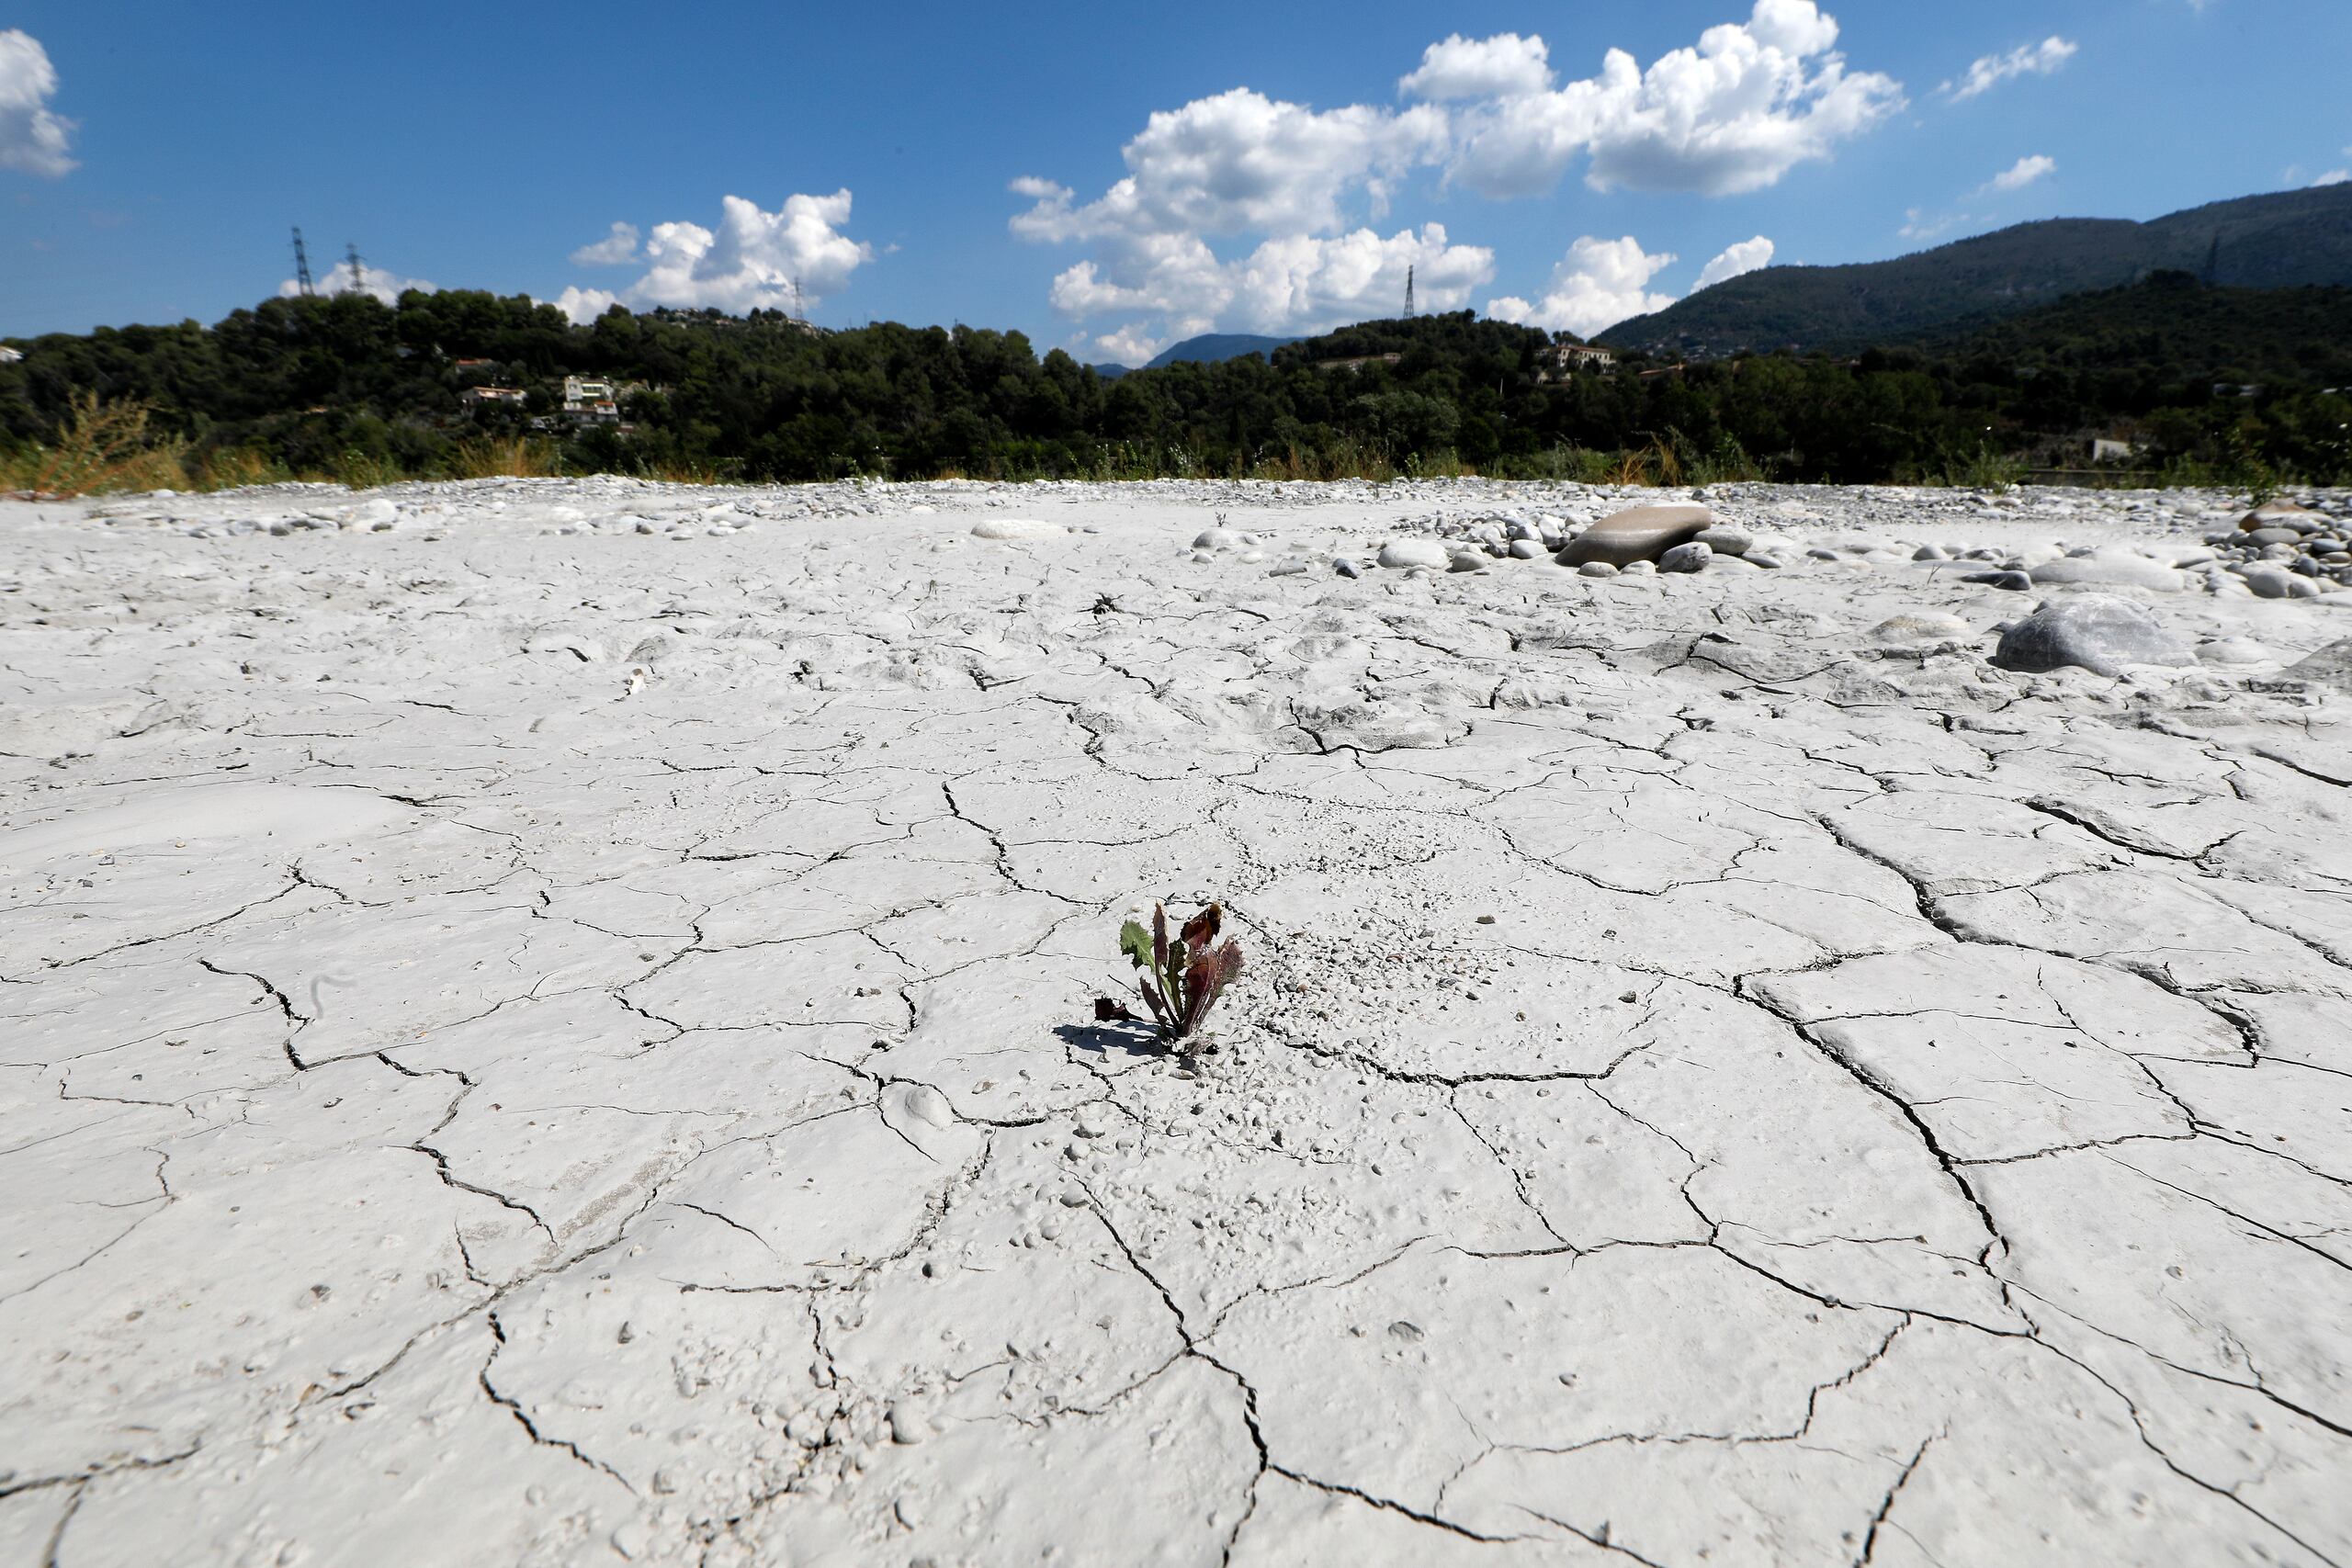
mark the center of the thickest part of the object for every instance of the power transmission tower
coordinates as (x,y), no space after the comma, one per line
(358,270)
(1409,293)
(799,307)
(302,266)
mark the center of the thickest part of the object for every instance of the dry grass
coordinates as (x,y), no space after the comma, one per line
(693,472)
(1656,464)
(513,456)
(1349,460)
(235,467)
(356,469)
(104,447)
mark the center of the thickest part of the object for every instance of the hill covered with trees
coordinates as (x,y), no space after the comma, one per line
(349,387)
(2171,326)
(2287,240)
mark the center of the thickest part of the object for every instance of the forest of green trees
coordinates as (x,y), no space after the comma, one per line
(349,387)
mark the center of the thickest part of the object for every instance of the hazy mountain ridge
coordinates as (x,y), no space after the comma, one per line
(2286,240)
(1211,347)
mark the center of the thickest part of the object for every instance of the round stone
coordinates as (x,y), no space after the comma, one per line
(2092,631)
(2270,582)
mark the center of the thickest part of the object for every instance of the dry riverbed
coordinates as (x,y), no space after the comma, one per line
(546,1023)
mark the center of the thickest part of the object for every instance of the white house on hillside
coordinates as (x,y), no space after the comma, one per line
(1558,361)
(588,397)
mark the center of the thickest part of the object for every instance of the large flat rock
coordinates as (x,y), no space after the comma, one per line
(1639,533)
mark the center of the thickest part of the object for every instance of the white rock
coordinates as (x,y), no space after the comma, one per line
(1399,554)
(1016,528)
(2111,567)
(928,1105)
(1926,626)
(2234,651)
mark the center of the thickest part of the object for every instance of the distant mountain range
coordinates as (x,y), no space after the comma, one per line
(2287,240)
(1208,349)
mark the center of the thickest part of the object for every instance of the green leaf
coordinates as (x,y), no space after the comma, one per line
(1135,942)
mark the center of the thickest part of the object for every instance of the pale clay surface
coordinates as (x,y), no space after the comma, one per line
(544,1024)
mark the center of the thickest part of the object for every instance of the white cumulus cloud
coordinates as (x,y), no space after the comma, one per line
(1597,285)
(1128,345)
(584,305)
(1748,256)
(753,261)
(1290,283)
(1242,163)
(33,139)
(1303,282)
(1919,224)
(1505,65)
(2026,59)
(1736,113)
(617,248)
(2023,173)
(341,280)
(1748,102)
(2333,177)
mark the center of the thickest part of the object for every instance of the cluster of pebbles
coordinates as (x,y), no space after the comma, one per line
(1639,541)
(2285,551)
(2280,550)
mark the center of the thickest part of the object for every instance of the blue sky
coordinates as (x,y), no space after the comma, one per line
(1283,164)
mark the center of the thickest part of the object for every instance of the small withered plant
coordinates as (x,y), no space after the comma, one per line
(1178,981)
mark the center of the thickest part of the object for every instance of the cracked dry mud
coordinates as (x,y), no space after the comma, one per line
(549,1043)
